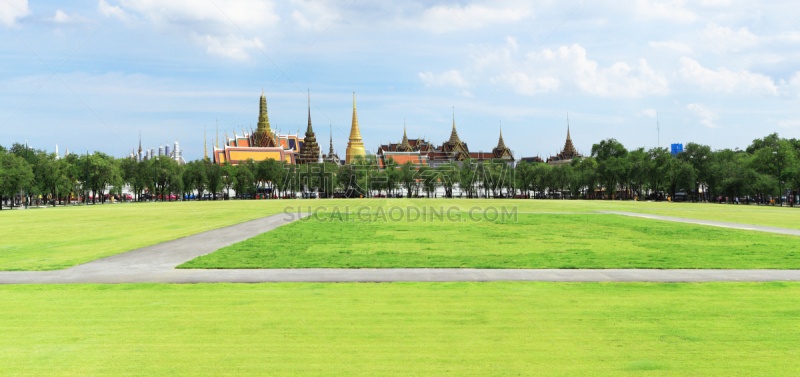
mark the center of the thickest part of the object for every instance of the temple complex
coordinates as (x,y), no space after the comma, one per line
(419,151)
(355,146)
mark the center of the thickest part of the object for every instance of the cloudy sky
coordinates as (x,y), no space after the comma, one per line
(93,74)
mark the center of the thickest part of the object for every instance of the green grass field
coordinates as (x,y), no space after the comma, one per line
(458,329)
(54,238)
(529,241)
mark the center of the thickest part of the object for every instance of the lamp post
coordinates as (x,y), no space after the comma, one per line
(155,179)
(26,186)
(87,177)
(780,183)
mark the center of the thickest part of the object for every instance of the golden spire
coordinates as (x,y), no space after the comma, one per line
(217,134)
(355,147)
(453,134)
(500,144)
(569,149)
(404,145)
(205,142)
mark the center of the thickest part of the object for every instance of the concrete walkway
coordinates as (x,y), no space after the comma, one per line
(723,224)
(156,264)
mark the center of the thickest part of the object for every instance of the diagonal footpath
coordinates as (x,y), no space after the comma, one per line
(723,224)
(156,264)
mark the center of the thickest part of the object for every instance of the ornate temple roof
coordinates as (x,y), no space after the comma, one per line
(501,151)
(404,145)
(309,150)
(568,153)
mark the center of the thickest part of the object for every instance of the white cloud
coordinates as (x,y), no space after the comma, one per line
(724,79)
(670,10)
(466,93)
(546,71)
(231,47)
(707,117)
(107,10)
(727,39)
(442,19)
(650,112)
(530,85)
(715,3)
(450,78)
(63,18)
(11,10)
(246,14)
(789,123)
(672,45)
(314,15)
(213,25)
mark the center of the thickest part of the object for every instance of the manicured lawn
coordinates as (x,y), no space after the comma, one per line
(458,329)
(54,238)
(532,241)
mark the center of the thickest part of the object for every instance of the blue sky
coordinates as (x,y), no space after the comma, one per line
(717,72)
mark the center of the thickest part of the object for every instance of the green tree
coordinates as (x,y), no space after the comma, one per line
(15,174)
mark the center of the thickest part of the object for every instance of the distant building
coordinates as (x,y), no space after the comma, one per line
(566,155)
(261,144)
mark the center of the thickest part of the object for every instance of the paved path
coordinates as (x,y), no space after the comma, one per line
(156,264)
(723,224)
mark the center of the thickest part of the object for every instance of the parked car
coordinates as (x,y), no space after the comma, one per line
(309,195)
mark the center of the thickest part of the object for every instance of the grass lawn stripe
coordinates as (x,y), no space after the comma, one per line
(598,329)
(533,241)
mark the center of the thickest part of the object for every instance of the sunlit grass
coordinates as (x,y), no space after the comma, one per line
(54,238)
(457,329)
(527,241)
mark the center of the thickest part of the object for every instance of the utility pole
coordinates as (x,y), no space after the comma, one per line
(780,183)
(87,177)
(658,130)
(26,186)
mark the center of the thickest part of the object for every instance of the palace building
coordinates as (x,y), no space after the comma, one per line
(414,151)
(421,152)
(263,143)
(566,155)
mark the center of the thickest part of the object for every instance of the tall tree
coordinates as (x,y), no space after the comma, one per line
(15,174)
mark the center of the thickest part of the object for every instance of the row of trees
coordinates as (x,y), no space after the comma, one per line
(612,171)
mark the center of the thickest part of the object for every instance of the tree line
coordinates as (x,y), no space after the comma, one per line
(611,172)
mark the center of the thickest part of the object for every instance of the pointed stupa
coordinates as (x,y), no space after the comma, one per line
(205,143)
(330,152)
(404,146)
(355,146)
(569,149)
(453,134)
(309,151)
(500,143)
(501,151)
(263,117)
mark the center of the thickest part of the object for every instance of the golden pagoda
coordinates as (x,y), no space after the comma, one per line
(355,147)
(263,136)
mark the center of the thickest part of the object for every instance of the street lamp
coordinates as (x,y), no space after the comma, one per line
(26,186)
(780,183)
(86,196)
